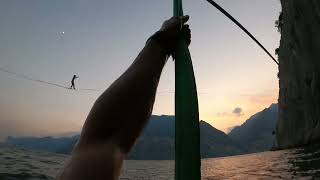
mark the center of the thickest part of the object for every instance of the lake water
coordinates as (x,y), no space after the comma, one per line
(301,163)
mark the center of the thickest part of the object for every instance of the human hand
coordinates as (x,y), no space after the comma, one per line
(176,26)
(170,33)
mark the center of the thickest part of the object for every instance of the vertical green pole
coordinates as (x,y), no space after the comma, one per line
(187,133)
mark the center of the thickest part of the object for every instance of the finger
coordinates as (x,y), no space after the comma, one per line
(184,19)
(188,41)
(186,27)
(187,34)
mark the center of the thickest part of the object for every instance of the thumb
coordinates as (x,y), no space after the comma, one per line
(184,19)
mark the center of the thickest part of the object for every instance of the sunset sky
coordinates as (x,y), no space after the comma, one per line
(99,39)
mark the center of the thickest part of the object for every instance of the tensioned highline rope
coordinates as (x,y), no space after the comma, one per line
(22,76)
(241,27)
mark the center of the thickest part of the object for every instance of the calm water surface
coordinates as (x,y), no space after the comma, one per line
(287,164)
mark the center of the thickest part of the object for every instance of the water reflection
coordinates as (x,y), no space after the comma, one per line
(306,162)
(303,163)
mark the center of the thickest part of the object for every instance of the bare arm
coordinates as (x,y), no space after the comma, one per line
(121,112)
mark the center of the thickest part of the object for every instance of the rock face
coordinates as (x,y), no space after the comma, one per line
(299,73)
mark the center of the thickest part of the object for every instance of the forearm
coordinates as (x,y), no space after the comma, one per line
(121,112)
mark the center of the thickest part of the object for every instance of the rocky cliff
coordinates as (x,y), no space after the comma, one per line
(299,73)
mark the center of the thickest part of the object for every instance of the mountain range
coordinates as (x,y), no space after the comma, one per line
(157,140)
(256,134)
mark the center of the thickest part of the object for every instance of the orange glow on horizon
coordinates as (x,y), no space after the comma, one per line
(249,104)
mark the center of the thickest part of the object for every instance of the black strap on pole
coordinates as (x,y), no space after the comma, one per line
(243,28)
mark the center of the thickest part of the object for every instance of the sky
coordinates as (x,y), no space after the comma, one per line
(99,39)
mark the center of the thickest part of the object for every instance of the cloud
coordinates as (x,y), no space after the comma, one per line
(222,114)
(237,111)
(265,97)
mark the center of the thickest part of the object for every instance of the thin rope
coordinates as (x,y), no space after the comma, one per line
(96,90)
(241,27)
(22,76)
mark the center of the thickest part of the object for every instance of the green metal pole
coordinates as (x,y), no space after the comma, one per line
(187,133)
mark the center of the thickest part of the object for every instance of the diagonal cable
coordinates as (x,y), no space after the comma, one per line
(241,27)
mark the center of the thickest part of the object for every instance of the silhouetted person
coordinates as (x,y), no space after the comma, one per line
(119,115)
(275,142)
(72,82)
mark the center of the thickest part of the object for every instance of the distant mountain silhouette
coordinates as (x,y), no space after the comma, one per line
(57,145)
(256,133)
(228,130)
(157,140)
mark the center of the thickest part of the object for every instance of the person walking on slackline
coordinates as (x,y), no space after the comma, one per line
(119,115)
(72,82)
